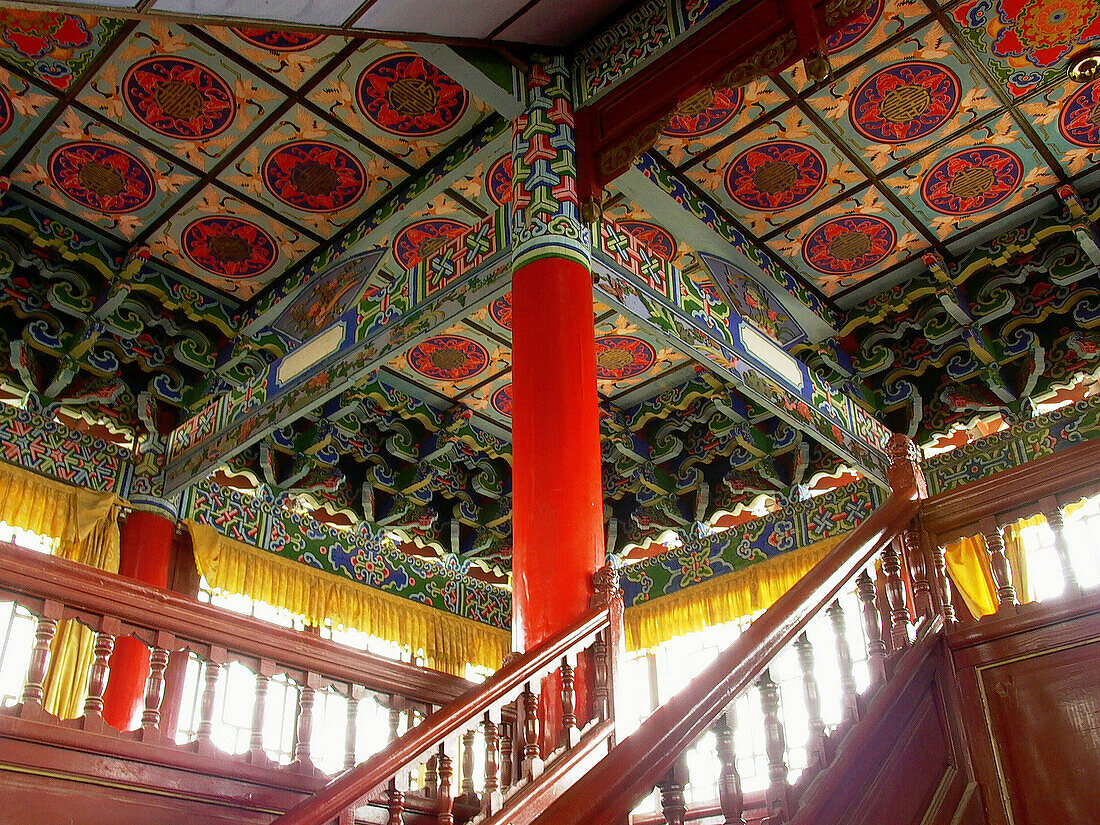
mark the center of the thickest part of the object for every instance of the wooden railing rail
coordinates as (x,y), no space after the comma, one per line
(33,579)
(653,755)
(517,681)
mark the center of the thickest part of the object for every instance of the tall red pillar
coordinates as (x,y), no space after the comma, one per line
(145,555)
(557,515)
(557,501)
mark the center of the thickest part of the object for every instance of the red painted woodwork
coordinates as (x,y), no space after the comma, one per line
(558,501)
(1031,689)
(906,762)
(557,516)
(144,555)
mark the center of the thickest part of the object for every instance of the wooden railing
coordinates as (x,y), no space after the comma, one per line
(653,755)
(514,759)
(175,628)
(987,507)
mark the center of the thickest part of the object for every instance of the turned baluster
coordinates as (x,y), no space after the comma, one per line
(918,573)
(1053,514)
(815,743)
(431,777)
(33,687)
(895,597)
(445,798)
(304,733)
(775,746)
(999,567)
(468,793)
(154,687)
(213,669)
(943,583)
(730,796)
(876,646)
(570,731)
(848,693)
(673,803)
(491,797)
(601,693)
(351,729)
(264,672)
(100,671)
(507,755)
(532,758)
(396,803)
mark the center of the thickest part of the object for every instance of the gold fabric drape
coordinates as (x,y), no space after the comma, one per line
(722,599)
(85,524)
(449,642)
(968,567)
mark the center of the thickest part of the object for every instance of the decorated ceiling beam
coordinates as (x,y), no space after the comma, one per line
(654,294)
(667,197)
(468,271)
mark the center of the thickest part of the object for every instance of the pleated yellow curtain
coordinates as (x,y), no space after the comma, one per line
(85,524)
(448,641)
(723,599)
(968,567)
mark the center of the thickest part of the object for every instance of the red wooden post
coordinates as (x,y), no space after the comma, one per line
(848,692)
(811,694)
(999,566)
(895,597)
(154,687)
(445,797)
(673,804)
(1053,514)
(730,796)
(99,672)
(775,744)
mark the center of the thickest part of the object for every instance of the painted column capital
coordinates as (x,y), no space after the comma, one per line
(545,218)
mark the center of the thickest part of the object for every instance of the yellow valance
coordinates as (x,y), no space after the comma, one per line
(85,524)
(722,599)
(449,642)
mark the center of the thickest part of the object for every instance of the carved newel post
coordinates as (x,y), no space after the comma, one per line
(905,473)
(608,647)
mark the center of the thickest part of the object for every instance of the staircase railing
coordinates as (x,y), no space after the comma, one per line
(513,757)
(653,755)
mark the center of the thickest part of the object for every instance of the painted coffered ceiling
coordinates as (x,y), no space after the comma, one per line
(242,181)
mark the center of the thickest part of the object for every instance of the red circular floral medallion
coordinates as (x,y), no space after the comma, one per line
(775,175)
(500,311)
(704,112)
(230,247)
(622,356)
(972,180)
(404,94)
(502,400)
(423,239)
(278,41)
(498,181)
(179,98)
(854,30)
(1079,121)
(7,112)
(905,101)
(849,244)
(656,239)
(314,176)
(449,358)
(101,177)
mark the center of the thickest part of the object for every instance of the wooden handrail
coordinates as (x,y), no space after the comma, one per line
(608,793)
(97,593)
(353,784)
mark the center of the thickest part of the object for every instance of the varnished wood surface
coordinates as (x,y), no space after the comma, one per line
(607,794)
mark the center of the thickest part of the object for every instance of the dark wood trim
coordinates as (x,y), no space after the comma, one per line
(1011,492)
(85,589)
